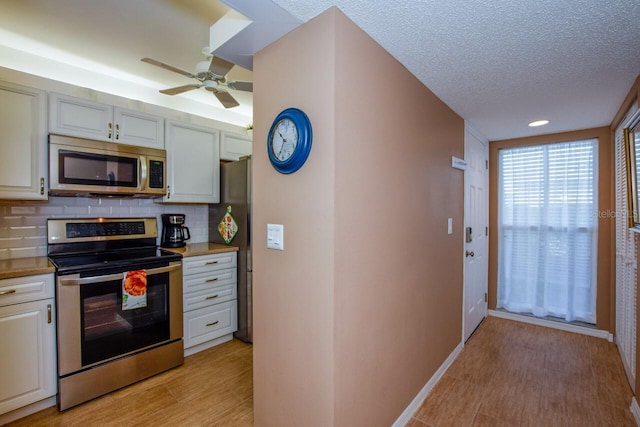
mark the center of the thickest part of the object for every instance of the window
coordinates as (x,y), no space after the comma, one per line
(547,225)
(632,142)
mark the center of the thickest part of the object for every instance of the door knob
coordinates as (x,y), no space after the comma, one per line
(467,253)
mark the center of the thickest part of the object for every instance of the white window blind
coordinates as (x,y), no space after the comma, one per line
(547,223)
(626,268)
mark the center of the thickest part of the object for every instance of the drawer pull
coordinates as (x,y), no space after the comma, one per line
(211,280)
(211,262)
(212,323)
(212,296)
(7,292)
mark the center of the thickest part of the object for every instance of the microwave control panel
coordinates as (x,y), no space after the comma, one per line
(156,174)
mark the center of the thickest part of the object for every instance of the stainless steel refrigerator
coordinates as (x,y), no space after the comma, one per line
(235,191)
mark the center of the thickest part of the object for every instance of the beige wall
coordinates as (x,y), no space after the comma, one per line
(294,289)
(365,302)
(606,223)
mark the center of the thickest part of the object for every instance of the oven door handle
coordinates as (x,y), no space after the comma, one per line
(118,276)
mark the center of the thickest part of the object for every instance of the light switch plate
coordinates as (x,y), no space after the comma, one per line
(449,225)
(275,236)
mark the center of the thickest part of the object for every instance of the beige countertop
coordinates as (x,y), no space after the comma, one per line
(195,249)
(20,267)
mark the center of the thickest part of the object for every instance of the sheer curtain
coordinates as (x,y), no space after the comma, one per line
(547,227)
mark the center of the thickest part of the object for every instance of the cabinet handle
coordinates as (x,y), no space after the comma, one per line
(211,280)
(211,262)
(48,313)
(212,323)
(110,130)
(7,292)
(212,296)
(42,186)
(117,131)
(168,191)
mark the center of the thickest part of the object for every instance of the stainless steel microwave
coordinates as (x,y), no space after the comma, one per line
(83,167)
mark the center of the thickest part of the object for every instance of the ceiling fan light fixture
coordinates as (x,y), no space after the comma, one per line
(211,74)
(538,123)
(210,85)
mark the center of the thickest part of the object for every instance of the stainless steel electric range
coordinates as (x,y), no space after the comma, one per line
(119,303)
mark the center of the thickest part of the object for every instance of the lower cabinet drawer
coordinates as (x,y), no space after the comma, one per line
(26,289)
(209,323)
(202,282)
(208,297)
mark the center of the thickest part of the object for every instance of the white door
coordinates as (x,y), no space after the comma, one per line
(476,222)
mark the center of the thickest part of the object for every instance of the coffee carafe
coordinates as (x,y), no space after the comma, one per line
(174,232)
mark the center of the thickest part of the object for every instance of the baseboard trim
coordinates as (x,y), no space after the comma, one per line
(205,345)
(635,410)
(598,333)
(16,414)
(406,415)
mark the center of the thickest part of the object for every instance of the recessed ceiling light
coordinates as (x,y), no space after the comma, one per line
(538,123)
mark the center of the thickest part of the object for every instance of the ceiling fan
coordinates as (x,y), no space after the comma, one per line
(211,75)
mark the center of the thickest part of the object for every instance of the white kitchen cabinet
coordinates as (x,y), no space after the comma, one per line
(87,119)
(27,327)
(23,143)
(210,292)
(234,146)
(193,163)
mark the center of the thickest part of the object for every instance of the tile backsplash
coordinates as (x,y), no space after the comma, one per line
(23,225)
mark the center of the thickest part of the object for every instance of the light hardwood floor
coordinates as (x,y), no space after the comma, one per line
(508,374)
(515,374)
(212,388)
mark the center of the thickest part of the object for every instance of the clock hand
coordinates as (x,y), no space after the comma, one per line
(280,152)
(284,140)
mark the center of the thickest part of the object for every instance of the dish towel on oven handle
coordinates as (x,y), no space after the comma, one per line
(134,289)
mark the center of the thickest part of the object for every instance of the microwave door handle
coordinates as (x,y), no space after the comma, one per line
(143,172)
(109,277)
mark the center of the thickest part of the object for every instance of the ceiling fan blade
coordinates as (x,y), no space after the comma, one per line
(219,66)
(180,89)
(226,99)
(167,67)
(245,86)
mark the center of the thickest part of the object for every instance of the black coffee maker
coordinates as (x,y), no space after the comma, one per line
(174,233)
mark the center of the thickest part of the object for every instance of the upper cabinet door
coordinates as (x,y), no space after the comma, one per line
(193,163)
(87,119)
(234,146)
(23,143)
(138,128)
(80,118)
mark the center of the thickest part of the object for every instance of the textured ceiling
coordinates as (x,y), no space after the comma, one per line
(498,63)
(503,63)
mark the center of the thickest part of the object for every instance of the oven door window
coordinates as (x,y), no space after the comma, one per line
(109,331)
(97,169)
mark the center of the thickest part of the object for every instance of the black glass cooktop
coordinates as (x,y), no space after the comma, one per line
(137,258)
(92,246)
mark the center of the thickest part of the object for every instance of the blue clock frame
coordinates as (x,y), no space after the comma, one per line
(303,146)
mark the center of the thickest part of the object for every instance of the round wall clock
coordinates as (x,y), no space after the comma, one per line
(289,140)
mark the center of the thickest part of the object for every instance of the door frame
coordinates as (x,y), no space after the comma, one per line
(469,129)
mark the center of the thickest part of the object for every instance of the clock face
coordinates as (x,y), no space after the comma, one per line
(289,140)
(284,139)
